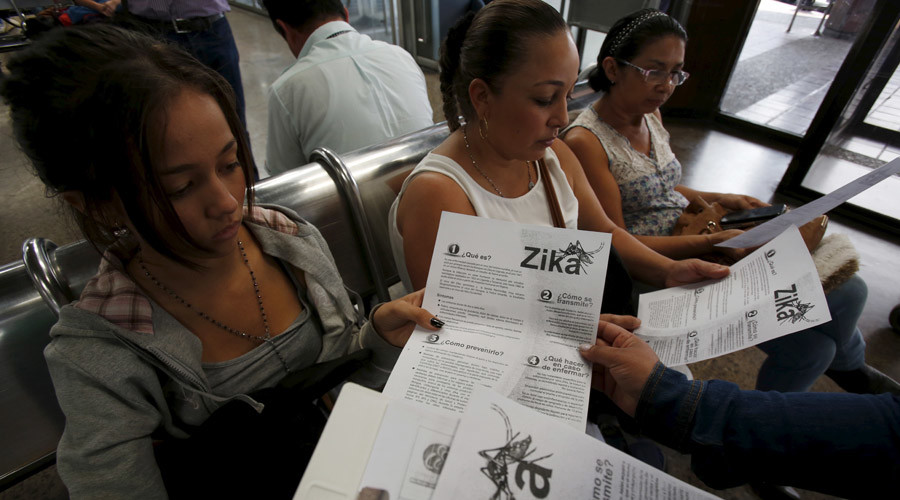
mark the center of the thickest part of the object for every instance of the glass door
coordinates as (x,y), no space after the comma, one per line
(375,18)
(857,127)
(789,59)
(254,5)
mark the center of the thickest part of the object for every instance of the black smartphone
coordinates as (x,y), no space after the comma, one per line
(752,216)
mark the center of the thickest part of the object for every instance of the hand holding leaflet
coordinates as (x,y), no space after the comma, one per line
(516,300)
(375,447)
(504,450)
(801,215)
(770,293)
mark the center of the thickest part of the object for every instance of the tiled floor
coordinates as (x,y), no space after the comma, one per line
(886,112)
(793,107)
(769,29)
(830,173)
(770,53)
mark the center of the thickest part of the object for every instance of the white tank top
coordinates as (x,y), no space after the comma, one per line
(530,208)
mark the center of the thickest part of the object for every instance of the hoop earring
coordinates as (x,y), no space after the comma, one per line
(119,231)
(483,128)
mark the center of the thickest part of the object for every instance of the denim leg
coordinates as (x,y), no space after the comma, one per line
(215,48)
(846,304)
(795,361)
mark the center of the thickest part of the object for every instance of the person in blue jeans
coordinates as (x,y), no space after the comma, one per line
(836,349)
(199,27)
(624,149)
(85,11)
(840,444)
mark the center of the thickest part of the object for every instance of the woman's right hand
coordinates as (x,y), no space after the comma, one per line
(395,321)
(622,365)
(685,272)
(733,253)
(735,202)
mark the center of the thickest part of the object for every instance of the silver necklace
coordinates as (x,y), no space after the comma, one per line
(267,339)
(491,182)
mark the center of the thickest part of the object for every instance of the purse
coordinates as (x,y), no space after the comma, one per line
(241,453)
(618,288)
(555,212)
(700,217)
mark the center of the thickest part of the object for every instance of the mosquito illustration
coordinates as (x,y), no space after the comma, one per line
(514,451)
(800,315)
(577,250)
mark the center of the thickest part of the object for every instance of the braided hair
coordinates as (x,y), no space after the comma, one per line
(629,36)
(489,45)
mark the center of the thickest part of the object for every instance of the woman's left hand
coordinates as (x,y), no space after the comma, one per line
(683,272)
(395,320)
(735,202)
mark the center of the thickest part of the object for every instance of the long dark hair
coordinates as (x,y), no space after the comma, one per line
(628,36)
(488,45)
(82,102)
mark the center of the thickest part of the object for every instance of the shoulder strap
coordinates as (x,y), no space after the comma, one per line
(552,200)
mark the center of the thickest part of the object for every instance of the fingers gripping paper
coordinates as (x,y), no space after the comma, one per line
(770,293)
(517,300)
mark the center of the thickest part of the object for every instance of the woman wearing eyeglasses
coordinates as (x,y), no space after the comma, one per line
(625,153)
(508,70)
(623,147)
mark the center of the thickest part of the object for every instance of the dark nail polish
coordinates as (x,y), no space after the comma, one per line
(436,323)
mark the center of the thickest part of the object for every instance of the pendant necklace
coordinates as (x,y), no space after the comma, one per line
(491,182)
(267,339)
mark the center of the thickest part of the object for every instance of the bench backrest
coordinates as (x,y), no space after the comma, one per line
(376,174)
(370,179)
(30,419)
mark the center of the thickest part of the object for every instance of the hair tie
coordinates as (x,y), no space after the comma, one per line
(623,35)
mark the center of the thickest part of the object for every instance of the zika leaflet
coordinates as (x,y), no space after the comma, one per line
(517,300)
(774,291)
(503,450)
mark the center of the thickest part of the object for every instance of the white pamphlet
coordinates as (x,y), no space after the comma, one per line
(801,215)
(772,292)
(374,447)
(409,451)
(517,300)
(505,450)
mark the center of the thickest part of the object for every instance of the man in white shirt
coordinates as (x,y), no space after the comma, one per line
(346,91)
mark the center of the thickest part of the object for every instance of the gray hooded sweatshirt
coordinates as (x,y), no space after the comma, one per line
(121,384)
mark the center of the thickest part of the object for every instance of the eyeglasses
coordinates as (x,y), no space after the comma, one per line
(658,76)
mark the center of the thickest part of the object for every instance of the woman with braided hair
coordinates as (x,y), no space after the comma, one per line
(508,70)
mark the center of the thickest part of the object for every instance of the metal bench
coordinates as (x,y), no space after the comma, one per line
(347,198)
(13,34)
(370,179)
(33,290)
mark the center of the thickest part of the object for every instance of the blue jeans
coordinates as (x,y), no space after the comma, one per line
(842,444)
(215,48)
(795,361)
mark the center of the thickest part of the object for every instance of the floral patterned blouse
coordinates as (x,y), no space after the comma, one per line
(650,204)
